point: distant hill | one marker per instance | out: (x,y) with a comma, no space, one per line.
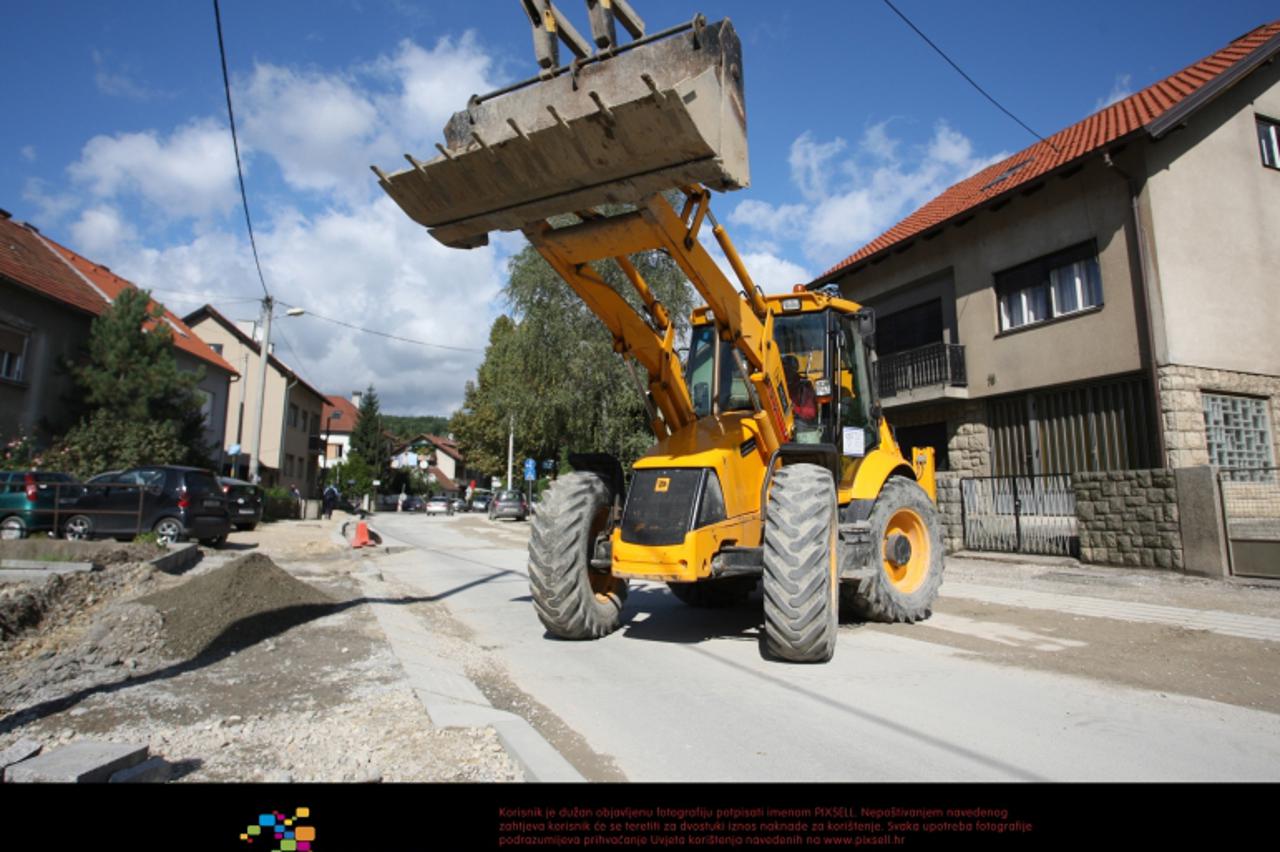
(407,427)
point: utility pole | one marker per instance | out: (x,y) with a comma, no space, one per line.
(511,445)
(256,433)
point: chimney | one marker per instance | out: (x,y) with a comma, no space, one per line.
(356,396)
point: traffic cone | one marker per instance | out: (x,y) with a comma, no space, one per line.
(362,536)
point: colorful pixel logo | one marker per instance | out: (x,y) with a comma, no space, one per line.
(285,830)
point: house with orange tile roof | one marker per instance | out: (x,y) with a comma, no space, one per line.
(1104,300)
(49,296)
(339,418)
(291,437)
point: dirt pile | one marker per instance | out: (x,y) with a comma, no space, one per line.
(243,602)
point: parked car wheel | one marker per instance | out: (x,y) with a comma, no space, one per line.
(13,527)
(78,528)
(168,530)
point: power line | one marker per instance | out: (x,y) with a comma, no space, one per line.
(311,313)
(235,143)
(960,71)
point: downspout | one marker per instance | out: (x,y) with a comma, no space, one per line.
(1144,290)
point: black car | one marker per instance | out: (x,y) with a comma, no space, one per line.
(174,502)
(509,504)
(414,503)
(244,501)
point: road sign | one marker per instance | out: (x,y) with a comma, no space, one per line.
(530,470)
(547,464)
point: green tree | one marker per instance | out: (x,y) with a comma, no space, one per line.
(551,365)
(367,439)
(139,407)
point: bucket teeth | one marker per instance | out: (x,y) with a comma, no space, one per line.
(648,118)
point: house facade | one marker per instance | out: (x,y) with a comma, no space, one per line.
(49,296)
(338,421)
(1104,300)
(291,419)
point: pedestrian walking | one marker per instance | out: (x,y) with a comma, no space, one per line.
(330,500)
(297,499)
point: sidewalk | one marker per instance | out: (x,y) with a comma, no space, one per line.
(1233,608)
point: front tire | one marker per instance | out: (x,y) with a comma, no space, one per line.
(801,579)
(899,589)
(572,600)
(78,528)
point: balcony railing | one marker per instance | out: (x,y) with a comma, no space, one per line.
(935,365)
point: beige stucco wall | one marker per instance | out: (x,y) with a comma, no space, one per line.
(1092,204)
(1212,209)
(278,438)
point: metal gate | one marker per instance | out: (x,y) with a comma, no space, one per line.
(1020,514)
(1251,510)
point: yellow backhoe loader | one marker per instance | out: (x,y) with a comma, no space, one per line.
(773,463)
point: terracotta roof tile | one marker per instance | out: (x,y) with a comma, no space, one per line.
(350,414)
(25,259)
(1080,139)
(113,285)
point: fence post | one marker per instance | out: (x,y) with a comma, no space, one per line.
(1017,518)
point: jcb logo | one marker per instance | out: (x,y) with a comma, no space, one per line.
(663,483)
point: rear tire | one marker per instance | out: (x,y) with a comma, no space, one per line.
(714,594)
(903,592)
(572,600)
(12,528)
(168,530)
(801,579)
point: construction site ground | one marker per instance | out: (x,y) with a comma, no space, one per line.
(262,663)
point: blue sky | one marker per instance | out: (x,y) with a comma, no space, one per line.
(116,143)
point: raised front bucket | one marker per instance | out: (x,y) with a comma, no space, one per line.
(659,113)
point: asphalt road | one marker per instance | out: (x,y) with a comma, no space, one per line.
(986,690)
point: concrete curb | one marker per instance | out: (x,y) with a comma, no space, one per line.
(179,558)
(452,699)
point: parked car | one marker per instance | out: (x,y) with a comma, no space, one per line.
(459,505)
(414,503)
(480,501)
(28,500)
(244,502)
(509,504)
(174,502)
(440,504)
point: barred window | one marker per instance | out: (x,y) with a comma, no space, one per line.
(1237,431)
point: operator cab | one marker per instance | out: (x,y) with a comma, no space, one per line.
(824,348)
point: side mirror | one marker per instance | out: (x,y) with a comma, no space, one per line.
(866,323)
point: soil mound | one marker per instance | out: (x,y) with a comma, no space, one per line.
(243,602)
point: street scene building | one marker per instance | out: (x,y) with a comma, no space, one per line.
(291,418)
(1101,301)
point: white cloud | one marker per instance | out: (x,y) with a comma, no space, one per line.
(102,230)
(324,130)
(50,205)
(117,82)
(857,193)
(192,172)
(1120,89)
(774,274)
(28,153)
(369,266)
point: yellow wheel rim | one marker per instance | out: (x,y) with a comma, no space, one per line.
(606,587)
(908,576)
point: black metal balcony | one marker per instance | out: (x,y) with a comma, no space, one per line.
(938,365)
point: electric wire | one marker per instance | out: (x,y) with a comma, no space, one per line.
(235,143)
(961,72)
(311,313)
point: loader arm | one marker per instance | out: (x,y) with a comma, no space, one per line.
(656,226)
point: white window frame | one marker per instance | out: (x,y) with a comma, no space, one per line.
(1269,141)
(1088,287)
(13,366)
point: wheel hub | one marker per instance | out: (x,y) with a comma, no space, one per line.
(897,550)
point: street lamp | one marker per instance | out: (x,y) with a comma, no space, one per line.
(328,430)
